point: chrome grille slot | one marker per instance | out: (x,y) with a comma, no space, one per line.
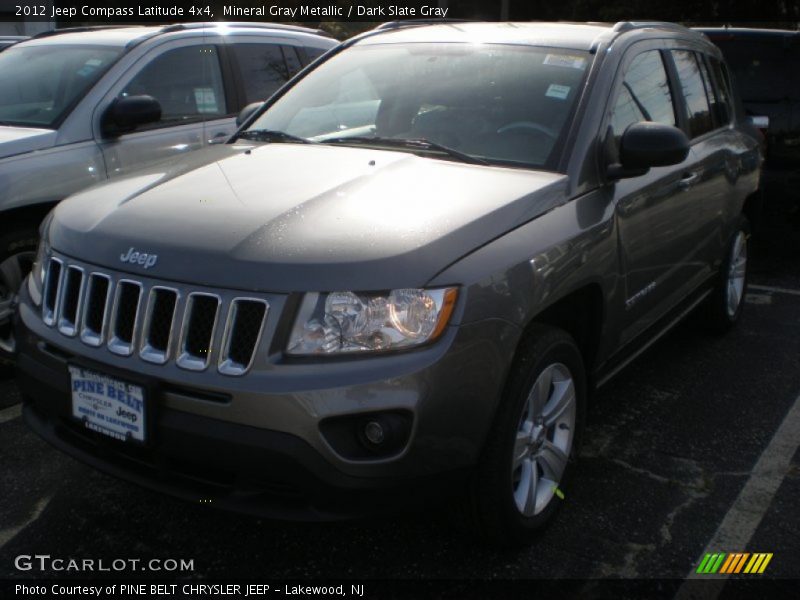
(243,330)
(125,317)
(70,300)
(52,287)
(158,323)
(97,295)
(197,332)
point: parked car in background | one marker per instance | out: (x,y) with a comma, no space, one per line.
(402,277)
(7,41)
(766,66)
(84,105)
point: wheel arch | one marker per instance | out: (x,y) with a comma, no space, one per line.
(581,314)
(28,214)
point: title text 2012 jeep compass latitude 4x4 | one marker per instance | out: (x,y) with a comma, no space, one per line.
(404,275)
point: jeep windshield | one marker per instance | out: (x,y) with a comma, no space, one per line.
(498,104)
(41,84)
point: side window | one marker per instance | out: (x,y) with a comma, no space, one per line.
(187,82)
(694,91)
(718,117)
(264,68)
(644,95)
(314,53)
(292,60)
(723,105)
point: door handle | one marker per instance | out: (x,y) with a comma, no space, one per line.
(688,180)
(219,138)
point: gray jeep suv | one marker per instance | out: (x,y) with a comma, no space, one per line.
(83,105)
(402,277)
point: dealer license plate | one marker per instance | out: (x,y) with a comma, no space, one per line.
(107,405)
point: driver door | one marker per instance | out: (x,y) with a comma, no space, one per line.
(653,211)
(186,79)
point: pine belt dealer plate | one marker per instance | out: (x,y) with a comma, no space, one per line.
(107,405)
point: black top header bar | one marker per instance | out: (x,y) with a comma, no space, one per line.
(64,13)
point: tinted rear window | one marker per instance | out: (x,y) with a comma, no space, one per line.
(694,92)
(313,53)
(764,69)
(264,68)
(722,97)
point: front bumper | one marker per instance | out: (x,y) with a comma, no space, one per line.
(223,465)
(209,445)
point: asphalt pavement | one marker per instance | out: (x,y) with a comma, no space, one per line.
(674,449)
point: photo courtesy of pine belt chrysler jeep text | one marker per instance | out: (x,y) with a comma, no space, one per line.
(402,278)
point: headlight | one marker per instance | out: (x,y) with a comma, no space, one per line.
(341,322)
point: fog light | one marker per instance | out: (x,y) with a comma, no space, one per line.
(368,436)
(374,433)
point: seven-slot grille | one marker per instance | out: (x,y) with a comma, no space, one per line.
(158,322)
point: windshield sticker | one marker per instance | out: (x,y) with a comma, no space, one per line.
(206,100)
(558,91)
(570,61)
(89,67)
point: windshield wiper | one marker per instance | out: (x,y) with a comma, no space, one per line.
(271,135)
(411,144)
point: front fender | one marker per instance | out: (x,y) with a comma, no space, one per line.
(49,175)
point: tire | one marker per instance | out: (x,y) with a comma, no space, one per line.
(500,506)
(723,308)
(17,253)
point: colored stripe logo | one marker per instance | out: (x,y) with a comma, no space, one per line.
(734,562)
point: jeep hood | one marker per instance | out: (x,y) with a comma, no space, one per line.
(292,217)
(19,140)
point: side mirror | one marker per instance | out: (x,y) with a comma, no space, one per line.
(129,112)
(247,112)
(645,145)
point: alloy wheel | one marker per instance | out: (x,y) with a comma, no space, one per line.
(737,270)
(543,439)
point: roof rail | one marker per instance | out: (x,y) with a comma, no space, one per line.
(624,26)
(418,22)
(51,32)
(243,25)
(184,26)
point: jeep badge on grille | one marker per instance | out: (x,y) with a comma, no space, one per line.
(139,258)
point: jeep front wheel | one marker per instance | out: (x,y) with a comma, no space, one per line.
(531,449)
